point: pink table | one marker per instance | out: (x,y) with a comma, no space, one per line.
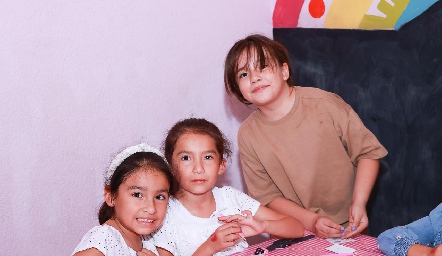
(364,245)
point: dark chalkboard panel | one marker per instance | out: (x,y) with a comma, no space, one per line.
(393,80)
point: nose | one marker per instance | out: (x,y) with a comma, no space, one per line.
(255,75)
(149,206)
(198,167)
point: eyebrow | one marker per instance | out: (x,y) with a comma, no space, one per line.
(183,152)
(136,187)
(242,68)
(145,188)
(189,152)
(211,151)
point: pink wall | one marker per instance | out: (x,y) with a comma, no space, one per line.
(83,79)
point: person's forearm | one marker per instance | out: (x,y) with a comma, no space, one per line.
(288,227)
(283,205)
(366,174)
(203,250)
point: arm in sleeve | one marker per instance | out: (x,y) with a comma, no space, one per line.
(258,181)
(244,201)
(357,139)
(398,240)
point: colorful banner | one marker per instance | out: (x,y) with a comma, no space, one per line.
(347,14)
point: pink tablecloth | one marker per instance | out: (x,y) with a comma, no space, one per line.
(364,245)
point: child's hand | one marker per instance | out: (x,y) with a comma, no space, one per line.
(248,224)
(357,222)
(224,236)
(326,228)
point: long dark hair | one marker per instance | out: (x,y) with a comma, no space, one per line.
(131,164)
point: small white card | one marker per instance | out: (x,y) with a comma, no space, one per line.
(337,248)
(337,240)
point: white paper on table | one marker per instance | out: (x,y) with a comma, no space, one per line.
(337,248)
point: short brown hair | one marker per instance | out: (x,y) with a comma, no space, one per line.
(264,48)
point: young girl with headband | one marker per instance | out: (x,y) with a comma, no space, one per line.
(136,194)
(203,219)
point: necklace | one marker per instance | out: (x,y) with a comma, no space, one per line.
(126,236)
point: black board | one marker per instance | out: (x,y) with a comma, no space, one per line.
(393,80)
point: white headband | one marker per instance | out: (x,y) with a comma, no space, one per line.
(143,147)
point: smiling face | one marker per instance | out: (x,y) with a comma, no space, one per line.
(263,87)
(141,202)
(196,163)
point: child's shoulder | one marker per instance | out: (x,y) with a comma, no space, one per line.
(228,189)
(308,95)
(103,231)
(326,97)
(230,192)
(313,92)
(101,237)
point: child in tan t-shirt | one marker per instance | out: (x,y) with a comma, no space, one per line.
(304,151)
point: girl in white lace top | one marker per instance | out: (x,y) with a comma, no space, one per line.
(203,219)
(136,194)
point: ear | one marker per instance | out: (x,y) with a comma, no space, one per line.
(222,167)
(285,71)
(108,197)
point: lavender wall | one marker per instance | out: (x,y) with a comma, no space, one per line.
(82,79)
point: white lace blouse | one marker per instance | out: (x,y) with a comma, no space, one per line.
(109,241)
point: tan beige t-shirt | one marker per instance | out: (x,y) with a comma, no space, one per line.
(309,156)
